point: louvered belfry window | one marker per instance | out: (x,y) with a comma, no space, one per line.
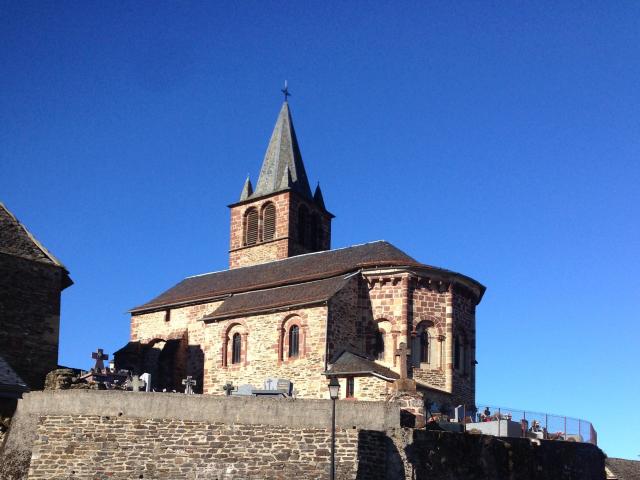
(294,341)
(251,227)
(268,222)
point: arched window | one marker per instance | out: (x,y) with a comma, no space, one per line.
(268,222)
(303,225)
(424,346)
(294,341)
(379,345)
(236,348)
(251,227)
(421,351)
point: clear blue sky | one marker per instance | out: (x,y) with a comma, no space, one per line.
(497,139)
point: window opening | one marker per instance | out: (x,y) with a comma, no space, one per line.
(268,222)
(236,351)
(294,337)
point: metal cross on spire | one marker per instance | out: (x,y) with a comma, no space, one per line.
(285,91)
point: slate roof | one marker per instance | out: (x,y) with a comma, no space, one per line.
(264,300)
(10,381)
(350,363)
(16,240)
(621,469)
(282,167)
(289,271)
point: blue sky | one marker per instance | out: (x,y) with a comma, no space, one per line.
(497,139)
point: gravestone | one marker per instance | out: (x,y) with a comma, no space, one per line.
(271,384)
(188,383)
(244,390)
(284,385)
(146,378)
(135,383)
(228,388)
(458,413)
(99,356)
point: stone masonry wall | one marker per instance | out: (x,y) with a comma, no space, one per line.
(241,255)
(29,317)
(88,446)
(464,326)
(124,435)
(285,243)
(111,434)
(181,324)
(429,306)
(265,353)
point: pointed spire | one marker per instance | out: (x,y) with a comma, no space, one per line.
(283,154)
(318,198)
(247,189)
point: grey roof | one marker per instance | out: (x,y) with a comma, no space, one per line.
(9,379)
(318,198)
(282,167)
(247,190)
(348,363)
(16,240)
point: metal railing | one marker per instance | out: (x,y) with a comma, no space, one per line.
(544,426)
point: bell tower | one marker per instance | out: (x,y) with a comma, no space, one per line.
(280,218)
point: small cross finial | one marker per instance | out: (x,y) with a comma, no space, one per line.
(285,91)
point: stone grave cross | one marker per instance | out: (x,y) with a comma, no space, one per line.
(99,357)
(188,383)
(403,352)
(136,383)
(228,388)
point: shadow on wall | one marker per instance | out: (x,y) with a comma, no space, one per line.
(168,362)
(370,466)
(435,455)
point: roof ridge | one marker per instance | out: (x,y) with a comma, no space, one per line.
(289,258)
(33,239)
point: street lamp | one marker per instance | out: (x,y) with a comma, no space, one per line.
(334,391)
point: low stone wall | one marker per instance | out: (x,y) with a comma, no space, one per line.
(112,434)
(87,446)
(118,435)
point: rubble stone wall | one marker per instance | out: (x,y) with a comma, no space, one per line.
(101,434)
(30,317)
(125,448)
(265,353)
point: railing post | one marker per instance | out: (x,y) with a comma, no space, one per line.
(499,420)
(546,422)
(565,428)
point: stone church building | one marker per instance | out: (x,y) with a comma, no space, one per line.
(290,307)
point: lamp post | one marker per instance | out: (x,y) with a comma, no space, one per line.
(334,391)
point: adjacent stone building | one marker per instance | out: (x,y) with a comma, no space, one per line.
(290,307)
(31,282)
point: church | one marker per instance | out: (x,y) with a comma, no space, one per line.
(290,307)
